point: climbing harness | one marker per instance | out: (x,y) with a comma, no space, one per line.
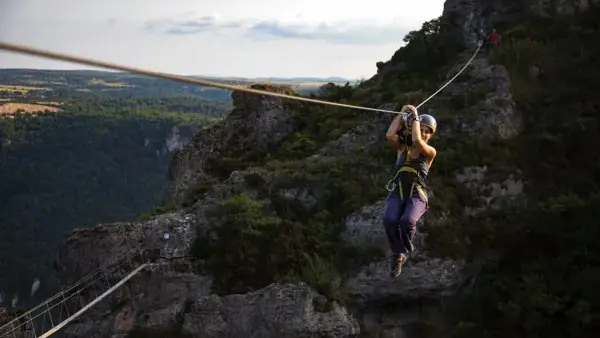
(95,63)
(417,183)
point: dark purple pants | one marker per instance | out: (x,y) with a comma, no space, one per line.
(400,220)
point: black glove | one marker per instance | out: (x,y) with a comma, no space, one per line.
(404,136)
(401,135)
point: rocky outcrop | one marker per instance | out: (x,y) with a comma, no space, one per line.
(160,304)
(564,7)
(274,311)
(471,16)
(490,194)
(174,141)
(366,137)
(154,301)
(495,114)
(89,249)
(235,136)
(417,298)
(170,298)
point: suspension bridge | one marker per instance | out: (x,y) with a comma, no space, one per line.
(66,306)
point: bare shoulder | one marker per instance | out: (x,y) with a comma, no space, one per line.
(433,151)
(432,155)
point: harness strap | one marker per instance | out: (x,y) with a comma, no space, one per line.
(413,185)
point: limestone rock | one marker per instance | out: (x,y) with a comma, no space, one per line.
(275,311)
(256,124)
(88,249)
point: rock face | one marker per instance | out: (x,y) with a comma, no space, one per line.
(470,16)
(169,297)
(492,195)
(154,302)
(395,308)
(565,7)
(495,115)
(274,311)
(88,249)
(256,124)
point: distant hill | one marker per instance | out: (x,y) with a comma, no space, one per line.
(285,79)
(61,85)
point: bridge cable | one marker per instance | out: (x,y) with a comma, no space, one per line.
(92,303)
(116,261)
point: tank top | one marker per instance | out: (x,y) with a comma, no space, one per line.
(417,175)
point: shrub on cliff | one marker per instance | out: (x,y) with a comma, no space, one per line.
(255,247)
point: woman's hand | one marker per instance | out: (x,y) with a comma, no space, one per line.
(415,113)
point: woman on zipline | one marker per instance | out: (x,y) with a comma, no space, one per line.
(407,201)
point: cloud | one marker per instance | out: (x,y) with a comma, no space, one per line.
(188,24)
(353,32)
(350,33)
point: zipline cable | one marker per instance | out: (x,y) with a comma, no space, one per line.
(16,48)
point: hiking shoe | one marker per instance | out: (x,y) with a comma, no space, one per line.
(394,265)
(398,262)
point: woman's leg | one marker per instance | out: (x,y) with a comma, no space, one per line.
(415,208)
(391,221)
(394,206)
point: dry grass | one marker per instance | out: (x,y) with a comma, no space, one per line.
(41,83)
(50,103)
(11,108)
(14,88)
(101,82)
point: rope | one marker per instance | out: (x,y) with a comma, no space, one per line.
(452,79)
(102,64)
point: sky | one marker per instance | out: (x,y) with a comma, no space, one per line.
(252,38)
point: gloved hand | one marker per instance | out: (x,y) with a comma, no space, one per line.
(404,136)
(409,115)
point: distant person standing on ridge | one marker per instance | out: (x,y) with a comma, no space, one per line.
(494,38)
(407,201)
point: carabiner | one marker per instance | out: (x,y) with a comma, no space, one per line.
(387,186)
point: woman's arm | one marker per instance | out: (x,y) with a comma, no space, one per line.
(392,135)
(417,141)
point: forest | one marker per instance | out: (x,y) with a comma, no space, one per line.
(96,160)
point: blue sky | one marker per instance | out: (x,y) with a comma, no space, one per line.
(249,38)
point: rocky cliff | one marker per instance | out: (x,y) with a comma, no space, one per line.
(256,125)
(280,231)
